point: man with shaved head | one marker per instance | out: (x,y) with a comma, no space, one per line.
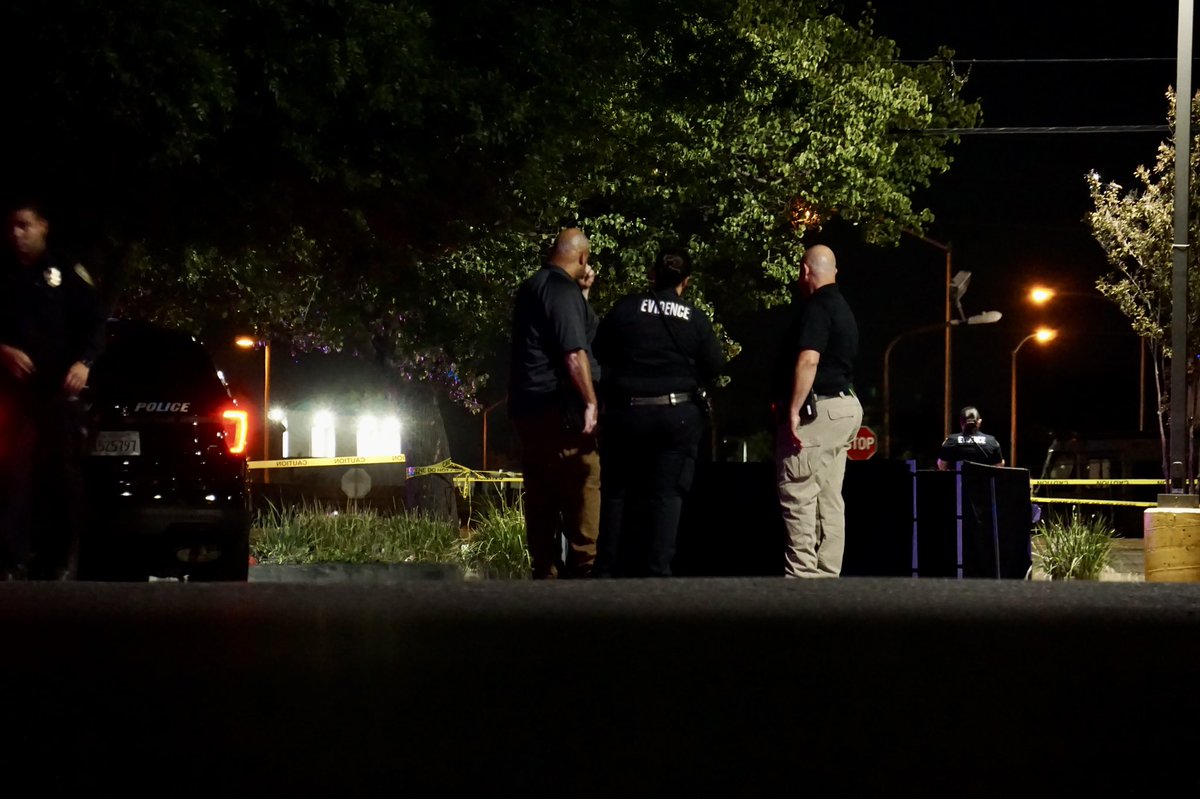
(817,416)
(552,403)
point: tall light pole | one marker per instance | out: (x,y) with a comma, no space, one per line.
(945,248)
(985,318)
(245,342)
(1042,335)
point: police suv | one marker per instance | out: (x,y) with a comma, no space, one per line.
(165,473)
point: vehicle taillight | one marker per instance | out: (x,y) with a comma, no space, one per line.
(235,422)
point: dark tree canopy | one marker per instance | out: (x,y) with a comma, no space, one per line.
(378,176)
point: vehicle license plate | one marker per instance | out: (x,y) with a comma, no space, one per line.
(117,442)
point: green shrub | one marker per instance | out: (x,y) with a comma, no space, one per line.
(315,534)
(310,533)
(496,546)
(1073,548)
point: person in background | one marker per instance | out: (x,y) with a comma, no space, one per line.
(553,406)
(971,444)
(51,330)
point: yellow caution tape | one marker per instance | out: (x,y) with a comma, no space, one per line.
(301,463)
(1137,482)
(1071,501)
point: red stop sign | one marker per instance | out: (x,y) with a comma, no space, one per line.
(864,445)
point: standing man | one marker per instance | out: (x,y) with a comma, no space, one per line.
(552,403)
(657,352)
(817,416)
(971,445)
(51,329)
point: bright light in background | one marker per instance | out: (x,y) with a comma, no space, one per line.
(1041,295)
(391,436)
(245,342)
(1045,334)
(378,437)
(280,416)
(324,444)
(368,435)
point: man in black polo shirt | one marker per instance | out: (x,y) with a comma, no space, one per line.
(817,416)
(552,403)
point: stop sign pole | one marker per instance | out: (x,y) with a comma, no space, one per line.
(864,444)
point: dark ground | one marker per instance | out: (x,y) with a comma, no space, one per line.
(710,686)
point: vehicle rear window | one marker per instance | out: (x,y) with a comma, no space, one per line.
(158,362)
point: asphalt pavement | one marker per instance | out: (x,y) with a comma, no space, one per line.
(711,686)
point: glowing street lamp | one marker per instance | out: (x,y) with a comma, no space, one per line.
(985,318)
(1042,335)
(247,343)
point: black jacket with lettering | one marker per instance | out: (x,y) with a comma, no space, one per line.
(656,343)
(51,311)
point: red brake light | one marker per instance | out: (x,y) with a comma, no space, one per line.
(235,422)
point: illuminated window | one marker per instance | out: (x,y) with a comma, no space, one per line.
(324,439)
(378,437)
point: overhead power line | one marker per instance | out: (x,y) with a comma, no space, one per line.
(1038,129)
(1037,60)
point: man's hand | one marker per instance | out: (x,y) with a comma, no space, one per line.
(585,282)
(794,423)
(16,362)
(76,379)
(591,413)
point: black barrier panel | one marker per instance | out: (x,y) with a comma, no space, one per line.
(973,524)
(879,518)
(997,521)
(937,524)
(731,525)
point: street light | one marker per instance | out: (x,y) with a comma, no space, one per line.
(985,318)
(1042,335)
(246,343)
(1041,295)
(945,248)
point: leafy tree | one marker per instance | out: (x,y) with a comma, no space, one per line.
(377,177)
(1135,228)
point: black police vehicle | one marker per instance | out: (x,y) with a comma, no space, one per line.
(165,472)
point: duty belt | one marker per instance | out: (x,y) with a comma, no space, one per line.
(847,393)
(677,398)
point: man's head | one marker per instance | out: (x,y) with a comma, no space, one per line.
(672,268)
(27,231)
(570,252)
(818,269)
(970,420)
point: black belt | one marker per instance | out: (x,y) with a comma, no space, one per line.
(677,398)
(847,393)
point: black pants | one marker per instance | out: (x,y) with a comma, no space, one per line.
(648,460)
(41,488)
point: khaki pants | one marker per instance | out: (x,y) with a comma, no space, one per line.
(809,482)
(561,473)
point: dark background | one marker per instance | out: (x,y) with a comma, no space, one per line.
(1012,207)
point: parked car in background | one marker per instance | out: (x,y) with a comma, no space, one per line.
(165,475)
